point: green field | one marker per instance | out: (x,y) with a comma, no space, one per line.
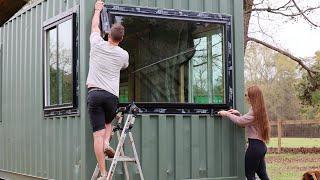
(295,142)
(291,166)
(288,166)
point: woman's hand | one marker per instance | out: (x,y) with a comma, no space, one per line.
(223,113)
(235,112)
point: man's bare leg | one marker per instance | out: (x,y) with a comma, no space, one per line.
(107,149)
(107,134)
(98,137)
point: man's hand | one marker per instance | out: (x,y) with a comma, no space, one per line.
(99,5)
(96,17)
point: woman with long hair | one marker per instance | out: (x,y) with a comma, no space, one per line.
(257,127)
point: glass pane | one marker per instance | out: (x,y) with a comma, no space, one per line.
(65,62)
(52,86)
(169,60)
(218,68)
(199,69)
(124,94)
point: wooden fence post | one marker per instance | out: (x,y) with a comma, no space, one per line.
(279,124)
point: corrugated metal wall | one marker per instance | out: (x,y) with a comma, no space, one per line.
(170,147)
(30,144)
(184,147)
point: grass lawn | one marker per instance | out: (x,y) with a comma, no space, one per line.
(295,142)
(291,166)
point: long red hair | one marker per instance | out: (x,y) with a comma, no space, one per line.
(261,119)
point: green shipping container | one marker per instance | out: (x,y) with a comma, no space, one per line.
(45,132)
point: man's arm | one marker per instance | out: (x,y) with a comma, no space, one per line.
(126,61)
(96,17)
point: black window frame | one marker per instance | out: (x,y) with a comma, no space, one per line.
(184,108)
(70,108)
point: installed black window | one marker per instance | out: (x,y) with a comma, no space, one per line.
(173,60)
(60,63)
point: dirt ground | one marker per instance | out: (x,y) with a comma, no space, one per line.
(303,150)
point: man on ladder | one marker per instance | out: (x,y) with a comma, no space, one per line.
(106,61)
(119,156)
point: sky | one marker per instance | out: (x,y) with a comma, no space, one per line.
(301,41)
(298,37)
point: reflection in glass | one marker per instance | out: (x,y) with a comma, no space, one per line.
(172,60)
(52,81)
(124,94)
(199,69)
(65,62)
(218,68)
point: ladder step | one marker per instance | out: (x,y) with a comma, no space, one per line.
(123,158)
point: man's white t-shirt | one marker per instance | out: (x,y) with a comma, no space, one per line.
(105,63)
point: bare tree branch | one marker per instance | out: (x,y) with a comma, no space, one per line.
(298,60)
(278,11)
(261,29)
(247,5)
(268,8)
(294,14)
(303,14)
(281,10)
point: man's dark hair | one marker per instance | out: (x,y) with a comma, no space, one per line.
(117,32)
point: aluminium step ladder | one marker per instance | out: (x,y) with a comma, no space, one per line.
(132,110)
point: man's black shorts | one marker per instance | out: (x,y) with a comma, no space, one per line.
(102,107)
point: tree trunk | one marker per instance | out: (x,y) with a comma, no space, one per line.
(247,7)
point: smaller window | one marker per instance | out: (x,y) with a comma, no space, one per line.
(60,64)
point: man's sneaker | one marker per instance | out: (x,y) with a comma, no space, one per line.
(108,151)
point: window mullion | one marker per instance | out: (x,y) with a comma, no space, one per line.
(209,68)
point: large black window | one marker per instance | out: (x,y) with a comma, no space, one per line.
(60,54)
(176,57)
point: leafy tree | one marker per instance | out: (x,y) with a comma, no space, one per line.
(276,75)
(288,11)
(309,91)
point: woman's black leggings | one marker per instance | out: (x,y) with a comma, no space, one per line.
(254,160)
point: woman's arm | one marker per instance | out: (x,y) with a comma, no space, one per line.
(239,120)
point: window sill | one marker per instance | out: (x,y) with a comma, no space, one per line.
(62,111)
(179,108)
